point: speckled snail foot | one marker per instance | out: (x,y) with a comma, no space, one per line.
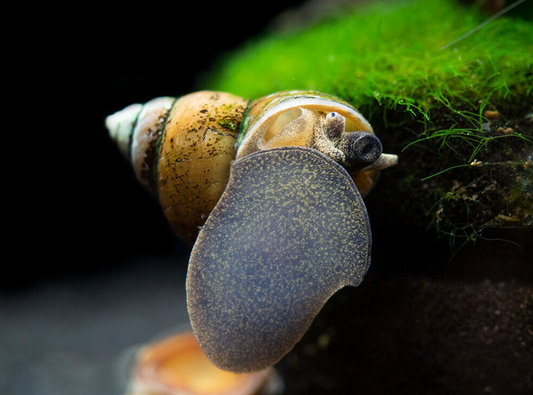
(275,185)
(290,230)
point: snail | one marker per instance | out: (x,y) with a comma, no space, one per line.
(175,365)
(269,194)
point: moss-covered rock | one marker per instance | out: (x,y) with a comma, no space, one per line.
(451,95)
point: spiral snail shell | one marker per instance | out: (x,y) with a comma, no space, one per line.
(269,193)
(198,136)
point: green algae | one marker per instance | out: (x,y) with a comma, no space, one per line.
(387,53)
(427,95)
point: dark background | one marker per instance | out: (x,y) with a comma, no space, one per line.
(91,266)
(83,209)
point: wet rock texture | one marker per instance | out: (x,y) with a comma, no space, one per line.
(416,335)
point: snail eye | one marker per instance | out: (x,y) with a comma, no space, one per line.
(288,232)
(335,125)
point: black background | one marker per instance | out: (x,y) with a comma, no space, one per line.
(79,208)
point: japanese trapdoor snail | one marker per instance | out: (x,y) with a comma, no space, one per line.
(268,192)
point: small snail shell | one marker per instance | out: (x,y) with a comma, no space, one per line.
(276,186)
(182,149)
(175,365)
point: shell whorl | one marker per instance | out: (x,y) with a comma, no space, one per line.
(196,150)
(145,136)
(182,149)
(136,130)
(120,126)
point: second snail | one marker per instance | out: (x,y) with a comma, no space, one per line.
(269,193)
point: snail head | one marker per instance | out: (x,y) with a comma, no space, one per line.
(354,150)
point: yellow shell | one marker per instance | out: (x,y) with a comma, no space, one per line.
(182,149)
(195,154)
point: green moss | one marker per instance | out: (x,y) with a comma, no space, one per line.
(386,53)
(427,100)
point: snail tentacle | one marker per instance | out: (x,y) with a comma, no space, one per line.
(334,126)
(384,161)
(328,136)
